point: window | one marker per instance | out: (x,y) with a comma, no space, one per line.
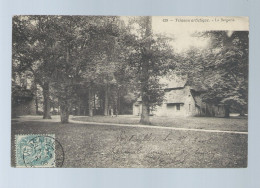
(189,107)
(178,106)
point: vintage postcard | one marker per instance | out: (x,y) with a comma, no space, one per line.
(129,92)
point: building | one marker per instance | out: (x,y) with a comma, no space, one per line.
(182,100)
(23,102)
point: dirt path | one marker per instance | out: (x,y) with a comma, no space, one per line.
(57,119)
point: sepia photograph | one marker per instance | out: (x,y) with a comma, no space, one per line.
(129,91)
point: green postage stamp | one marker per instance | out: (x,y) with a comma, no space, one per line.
(34,150)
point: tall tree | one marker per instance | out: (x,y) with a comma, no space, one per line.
(221,70)
(89,45)
(108,56)
(34,51)
(144,78)
(151,56)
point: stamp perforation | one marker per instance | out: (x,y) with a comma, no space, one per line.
(26,136)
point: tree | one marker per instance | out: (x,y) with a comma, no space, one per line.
(91,60)
(64,53)
(232,65)
(70,42)
(151,56)
(108,71)
(34,51)
(221,70)
(43,45)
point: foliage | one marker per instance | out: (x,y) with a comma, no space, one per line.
(221,70)
(118,62)
(150,56)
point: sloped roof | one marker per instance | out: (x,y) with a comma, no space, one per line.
(176,93)
(170,82)
(176,96)
(199,87)
(18,91)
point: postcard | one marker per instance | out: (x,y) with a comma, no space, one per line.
(129,91)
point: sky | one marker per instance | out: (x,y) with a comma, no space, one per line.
(181,29)
(182,34)
(184,40)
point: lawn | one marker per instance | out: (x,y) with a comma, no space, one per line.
(113,146)
(209,123)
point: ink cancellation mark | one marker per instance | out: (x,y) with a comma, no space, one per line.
(38,151)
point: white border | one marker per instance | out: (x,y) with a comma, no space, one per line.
(213,178)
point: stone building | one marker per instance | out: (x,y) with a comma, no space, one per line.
(23,102)
(182,100)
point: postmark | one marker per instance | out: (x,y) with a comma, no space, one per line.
(40,151)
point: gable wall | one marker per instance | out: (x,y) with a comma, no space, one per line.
(25,107)
(187,107)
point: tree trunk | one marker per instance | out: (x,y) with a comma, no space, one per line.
(145,75)
(94,104)
(46,101)
(145,119)
(90,102)
(118,108)
(36,99)
(242,112)
(64,102)
(79,106)
(36,105)
(106,113)
(116,101)
(64,113)
(227,114)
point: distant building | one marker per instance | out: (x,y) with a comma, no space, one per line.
(23,102)
(182,100)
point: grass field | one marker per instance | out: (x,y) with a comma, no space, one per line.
(113,146)
(211,123)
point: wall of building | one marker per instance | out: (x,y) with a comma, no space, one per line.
(187,104)
(137,108)
(24,107)
(187,107)
(221,111)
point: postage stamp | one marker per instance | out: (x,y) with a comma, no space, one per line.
(34,150)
